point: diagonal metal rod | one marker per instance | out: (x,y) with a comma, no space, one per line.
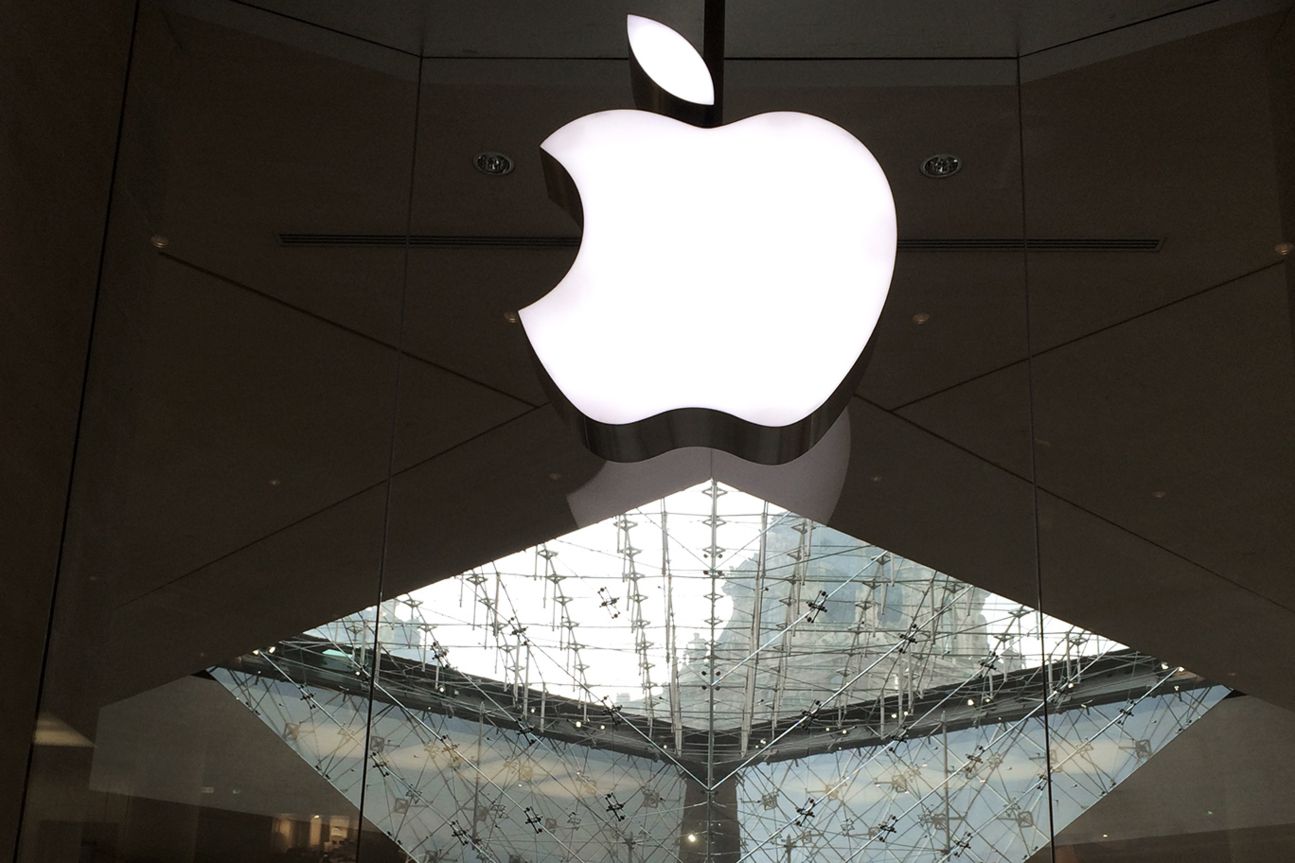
(757,611)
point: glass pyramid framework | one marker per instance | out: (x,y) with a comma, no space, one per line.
(711,678)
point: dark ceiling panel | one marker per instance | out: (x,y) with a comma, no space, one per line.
(757,28)
(458,306)
(1203,782)
(1098,574)
(1184,152)
(232,137)
(516,28)
(948,318)
(468,106)
(217,417)
(989,415)
(62,79)
(1178,426)
(925,28)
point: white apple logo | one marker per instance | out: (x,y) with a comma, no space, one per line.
(728,279)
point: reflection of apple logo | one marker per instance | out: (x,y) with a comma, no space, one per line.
(728,279)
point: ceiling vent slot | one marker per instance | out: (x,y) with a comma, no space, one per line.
(426,241)
(968,244)
(1033,244)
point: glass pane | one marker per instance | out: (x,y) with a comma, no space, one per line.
(470,770)
(708,675)
(230,474)
(1164,392)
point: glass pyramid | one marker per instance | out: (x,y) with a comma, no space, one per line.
(710,677)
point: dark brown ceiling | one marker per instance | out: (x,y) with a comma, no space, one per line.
(249,401)
(820,29)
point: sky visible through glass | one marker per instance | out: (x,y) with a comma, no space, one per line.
(600,614)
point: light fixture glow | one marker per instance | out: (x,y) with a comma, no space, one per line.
(709,257)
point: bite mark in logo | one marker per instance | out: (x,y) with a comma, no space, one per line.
(729,278)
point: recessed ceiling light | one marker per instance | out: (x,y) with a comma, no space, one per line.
(1158,495)
(941,165)
(160,242)
(1284,249)
(492,163)
(921,318)
(510,317)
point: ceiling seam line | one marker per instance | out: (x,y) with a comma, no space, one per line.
(324,27)
(242,548)
(1043,352)
(1169,551)
(742,58)
(393,438)
(329,506)
(1030,436)
(533,58)
(46,637)
(1180,556)
(1160,308)
(1101,33)
(1013,474)
(399,351)
(494,428)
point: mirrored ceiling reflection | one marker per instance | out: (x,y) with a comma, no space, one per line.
(710,674)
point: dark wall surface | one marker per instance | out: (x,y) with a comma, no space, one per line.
(214,440)
(61,85)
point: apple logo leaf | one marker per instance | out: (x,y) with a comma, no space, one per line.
(667,75)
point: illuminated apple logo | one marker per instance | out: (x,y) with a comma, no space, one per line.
(728,279)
